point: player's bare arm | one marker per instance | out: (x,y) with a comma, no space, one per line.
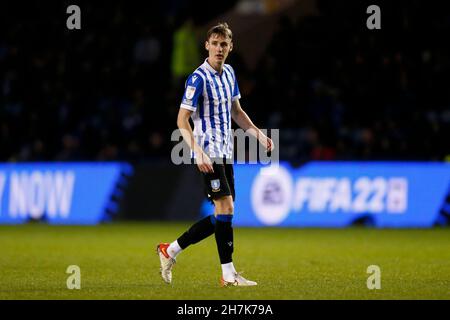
(243,121)
(203,162)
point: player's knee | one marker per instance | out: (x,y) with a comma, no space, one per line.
(225,206)
(228,208)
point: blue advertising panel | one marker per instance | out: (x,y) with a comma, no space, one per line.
(339,194)
(58,193)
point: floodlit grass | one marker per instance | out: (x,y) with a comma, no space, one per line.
(118,261)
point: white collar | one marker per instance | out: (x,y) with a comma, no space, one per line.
(209,68)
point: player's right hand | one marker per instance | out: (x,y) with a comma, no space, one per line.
(204,164)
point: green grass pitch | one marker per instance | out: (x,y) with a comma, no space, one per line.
(118,261)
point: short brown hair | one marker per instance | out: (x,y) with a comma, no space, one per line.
(221,29)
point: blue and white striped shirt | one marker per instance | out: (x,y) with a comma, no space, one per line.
(210,95)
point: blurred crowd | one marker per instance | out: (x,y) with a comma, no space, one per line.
(341,91)
(334,88)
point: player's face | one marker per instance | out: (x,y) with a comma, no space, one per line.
(218,47)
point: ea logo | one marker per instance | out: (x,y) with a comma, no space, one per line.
(272,195)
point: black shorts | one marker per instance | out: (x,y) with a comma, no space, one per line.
(219,183)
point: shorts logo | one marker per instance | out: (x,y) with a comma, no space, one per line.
(215,185)
(190,91)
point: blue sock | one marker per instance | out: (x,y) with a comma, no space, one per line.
(197,232)
(224,217)
(224,237)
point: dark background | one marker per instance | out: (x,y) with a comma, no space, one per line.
(335,89)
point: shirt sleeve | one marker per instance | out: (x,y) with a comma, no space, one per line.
(192,92)
(236,93)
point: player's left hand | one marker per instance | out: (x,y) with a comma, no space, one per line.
(267,143)
(270,146)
